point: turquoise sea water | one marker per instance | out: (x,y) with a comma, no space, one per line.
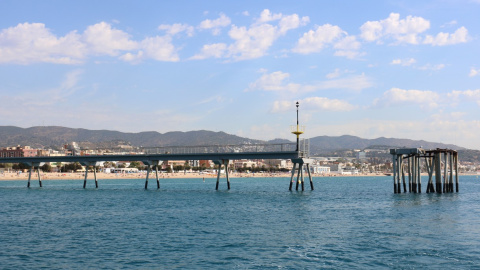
(351,222)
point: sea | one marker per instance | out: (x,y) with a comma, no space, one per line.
(345,223)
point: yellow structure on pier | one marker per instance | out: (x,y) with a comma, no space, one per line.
(297,130)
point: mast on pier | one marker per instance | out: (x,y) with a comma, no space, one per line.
(297,130)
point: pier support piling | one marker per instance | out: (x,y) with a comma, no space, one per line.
(149,164)
(438,172)
(225,163)
(444,168)
(87,164)
(293,174)
(456,171)
(29,175)
(39,178)
(31,166)
(310,176)
(300,175)
(149,168)
(86,175)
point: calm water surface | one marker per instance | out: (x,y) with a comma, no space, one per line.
(351,222)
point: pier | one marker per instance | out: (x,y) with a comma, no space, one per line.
(407,162)
(221,155)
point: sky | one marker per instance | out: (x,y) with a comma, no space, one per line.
(397,69)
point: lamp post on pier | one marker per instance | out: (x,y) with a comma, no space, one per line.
(297,131)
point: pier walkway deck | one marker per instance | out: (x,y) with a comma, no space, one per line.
(219,154)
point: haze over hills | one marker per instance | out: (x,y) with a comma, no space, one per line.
(55,136)
(353,142)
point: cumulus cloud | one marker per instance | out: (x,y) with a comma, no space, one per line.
(348,47)
(408,31)
(102,39)
(474,72)
(278,81)
(216,50)
(397,96)
(442,39)
(316,40)
(327,35)
(314,104)
(159,48)
(33,43)
(253,42)
(402,30)
(176,28)
(215,25)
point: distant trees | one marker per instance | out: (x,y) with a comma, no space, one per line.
(46,167)
(19,166)
(71,167)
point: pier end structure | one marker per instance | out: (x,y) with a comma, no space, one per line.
(408,162)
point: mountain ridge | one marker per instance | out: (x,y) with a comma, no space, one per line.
(56,136)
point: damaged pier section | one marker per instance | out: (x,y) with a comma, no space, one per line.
(407,163)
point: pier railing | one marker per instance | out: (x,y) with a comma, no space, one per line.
(181,150)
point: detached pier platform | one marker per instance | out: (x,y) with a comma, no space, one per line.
(406,162)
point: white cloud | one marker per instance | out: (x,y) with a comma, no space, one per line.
(402,30)
(443,39)
(326,35)
(314,104)
(133,58)
(254,41)
(396,96)
(102,39)
(404,62)
(215,25)
(173,29)
(408,31)
(474,72)
(316,40)
(159,48)
(211,50)
(276,81)
(348,47)
(467,95)
(32,43)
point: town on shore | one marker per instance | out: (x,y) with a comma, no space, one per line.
(361,165)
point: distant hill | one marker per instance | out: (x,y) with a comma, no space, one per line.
(54,137)
(328,143)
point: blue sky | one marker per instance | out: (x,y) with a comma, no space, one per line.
(402,69)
